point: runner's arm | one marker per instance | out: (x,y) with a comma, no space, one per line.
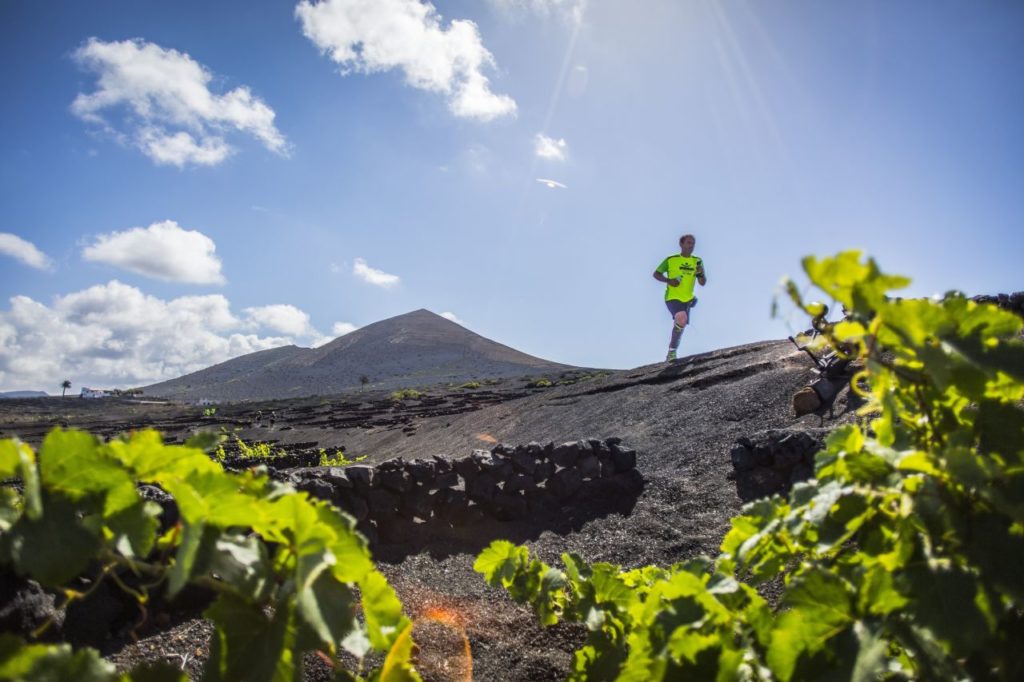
(662,277)
(659,274)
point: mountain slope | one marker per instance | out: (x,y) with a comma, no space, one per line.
(416,348)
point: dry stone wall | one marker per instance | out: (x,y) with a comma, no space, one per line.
(507,483)
(772,461)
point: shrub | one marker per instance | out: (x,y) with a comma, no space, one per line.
(539,383)
(338,459)
(290,573)
(406,394)
(468,385)
(901,559)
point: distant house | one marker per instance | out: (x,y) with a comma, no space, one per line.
(206,402)
(95,393)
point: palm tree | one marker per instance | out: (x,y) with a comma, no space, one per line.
(65,385)
(363,380)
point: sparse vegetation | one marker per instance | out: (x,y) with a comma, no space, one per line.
(542,382)
(338,459)
(406,394)
(209,411)
(900,560)
(467,386)
(257,450)
(289,573)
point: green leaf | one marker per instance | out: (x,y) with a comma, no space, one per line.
(819,610)
(499,561)
(327,607)
(53,549)
(398,662)
(241,563)
(193,537)
(21,662)
(247,644)
(878,593)
(944,599)
(383,611)
(17,458)
(134,528)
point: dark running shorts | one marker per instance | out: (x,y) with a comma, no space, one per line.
(675,306)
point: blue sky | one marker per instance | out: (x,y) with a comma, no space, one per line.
(184,182)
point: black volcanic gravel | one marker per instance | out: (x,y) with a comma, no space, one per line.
(682,418)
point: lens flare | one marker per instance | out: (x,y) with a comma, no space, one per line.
(447,655)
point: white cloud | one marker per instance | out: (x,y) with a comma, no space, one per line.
(342,328)
(14,246)
(380,35)
(163,251)
(373,275)
(170,114)
(549,148)
(281,317)
(115,335)
(451,316)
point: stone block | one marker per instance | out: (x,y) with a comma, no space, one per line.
(742,458)
(763,455)
(421,470)
(543,471)
(446,480)
(353,504)
(523,462)
(482,488)
(623,459)
(467,467)
(566,454)
(396,480)
(383,503)
(565,483)
(507,507)
(362,476)
(520,483)
(589,467)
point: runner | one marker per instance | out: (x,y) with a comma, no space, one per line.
(679,272)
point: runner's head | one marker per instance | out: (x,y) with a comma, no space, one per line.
(686,244)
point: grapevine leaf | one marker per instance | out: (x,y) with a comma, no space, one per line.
(71,462)
(249,645)
(327,609)
(53,549)
(498,562)
(193,537)
(24,662)
(383,611)
(134,528)
(398,662)
(17,458)
(240,562)
(944,600)
(819,610)
(878,593)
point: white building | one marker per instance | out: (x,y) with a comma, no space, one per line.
(95,393)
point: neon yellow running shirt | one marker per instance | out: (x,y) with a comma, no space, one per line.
(683,268)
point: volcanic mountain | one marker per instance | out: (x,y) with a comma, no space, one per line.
(414,349)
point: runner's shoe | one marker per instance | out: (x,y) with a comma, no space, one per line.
(671,355)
